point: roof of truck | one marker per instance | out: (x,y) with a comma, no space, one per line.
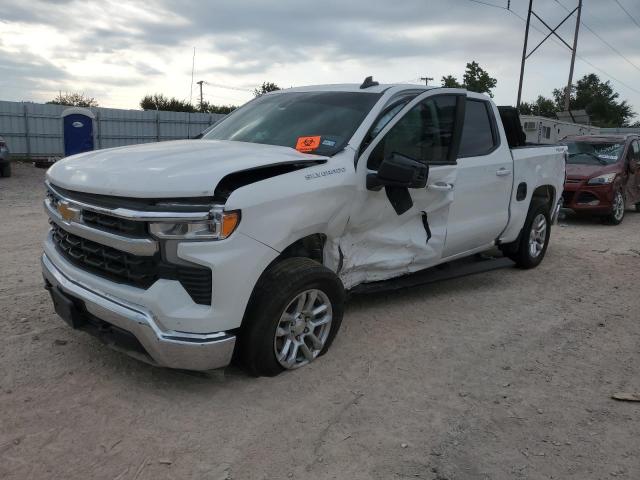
(355,87)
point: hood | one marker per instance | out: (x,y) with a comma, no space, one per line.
(183,168)
(579,171)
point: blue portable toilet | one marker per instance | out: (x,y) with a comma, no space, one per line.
(78,131)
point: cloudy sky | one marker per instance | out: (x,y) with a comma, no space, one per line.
(119,51)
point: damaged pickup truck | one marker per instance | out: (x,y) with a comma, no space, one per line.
(243,243)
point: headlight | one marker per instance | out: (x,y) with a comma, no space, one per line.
(220,226)
(605,179)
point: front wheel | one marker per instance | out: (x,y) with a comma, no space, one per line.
(531,248)
(617,210)
(294,314)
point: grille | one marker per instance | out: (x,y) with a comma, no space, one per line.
(567,197)
(114,224)
(574,180)
(138,271)
(586,197)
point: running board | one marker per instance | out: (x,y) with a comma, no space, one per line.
(458,268)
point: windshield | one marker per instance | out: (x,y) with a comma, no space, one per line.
(594,153)
(316,122)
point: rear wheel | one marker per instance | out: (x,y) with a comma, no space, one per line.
(617,210)
(529,250)
(294,314)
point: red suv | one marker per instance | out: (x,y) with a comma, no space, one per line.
(603,175)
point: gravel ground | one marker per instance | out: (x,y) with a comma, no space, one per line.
(501,375)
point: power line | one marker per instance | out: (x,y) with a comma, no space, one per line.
(583,59)
(603,40)
(608,74)
(580,57)
(489,4)
(229,87)
(628,14)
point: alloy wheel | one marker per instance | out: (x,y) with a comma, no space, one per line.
(537,235)
(303,329)
(618,206)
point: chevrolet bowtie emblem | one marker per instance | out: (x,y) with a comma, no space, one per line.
(68,213)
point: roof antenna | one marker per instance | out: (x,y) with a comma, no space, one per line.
(368,82)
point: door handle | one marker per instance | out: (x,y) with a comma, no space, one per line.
(441,186)
(503,172)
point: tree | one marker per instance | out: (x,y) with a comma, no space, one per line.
(475,79)
(451,82)
(158,101)
(543,107)
(74,99)
(598,99)
(209,108)
(266,87)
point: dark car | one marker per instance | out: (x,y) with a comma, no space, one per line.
(5,160)
(603,175)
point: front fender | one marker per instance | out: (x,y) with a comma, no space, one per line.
(280,210)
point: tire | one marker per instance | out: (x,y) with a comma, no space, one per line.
(5,170)
(617,211)
(280,311)
(537,229)
(638,207)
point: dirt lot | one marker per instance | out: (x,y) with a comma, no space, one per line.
(501,375)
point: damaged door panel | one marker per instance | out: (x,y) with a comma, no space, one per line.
(405,231)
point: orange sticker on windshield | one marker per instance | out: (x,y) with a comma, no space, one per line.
(307,144)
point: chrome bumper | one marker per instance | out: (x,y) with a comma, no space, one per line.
(188,351)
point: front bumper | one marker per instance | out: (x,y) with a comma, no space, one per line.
(167,348)
(581,197)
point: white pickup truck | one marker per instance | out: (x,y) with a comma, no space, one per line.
(242,244)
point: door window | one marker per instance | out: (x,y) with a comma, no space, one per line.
(424,134)
(479,136)
(636,151)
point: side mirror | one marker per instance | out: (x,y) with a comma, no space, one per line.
(399,171)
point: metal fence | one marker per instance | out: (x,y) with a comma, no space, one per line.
(35,130)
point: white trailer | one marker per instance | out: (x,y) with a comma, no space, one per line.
(545,130)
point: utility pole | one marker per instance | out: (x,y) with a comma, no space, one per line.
(524,52)
(567,98)
(552,31)
(426,80)
(200,83)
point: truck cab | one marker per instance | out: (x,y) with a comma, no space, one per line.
(243,243)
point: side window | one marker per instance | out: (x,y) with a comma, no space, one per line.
(478,134)
(425,133)
(382,121)
(636,150)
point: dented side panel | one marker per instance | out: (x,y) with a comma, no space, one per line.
(308,201)
(379,244)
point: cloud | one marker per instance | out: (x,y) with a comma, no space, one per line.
(128,48)
(27,72)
